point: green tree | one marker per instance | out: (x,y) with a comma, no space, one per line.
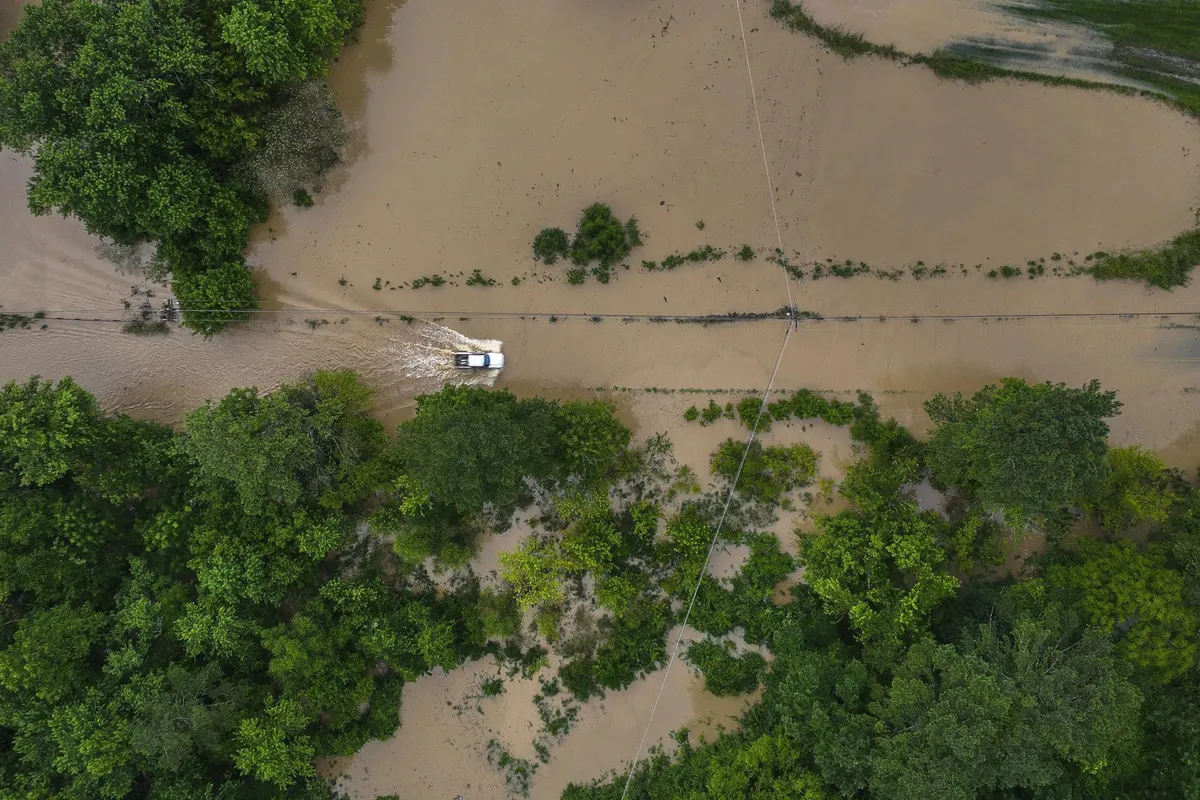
(1021,448)
(272,747)
(50,652)
(1135,490)
(766,472)
(47,429)
(468,446)
(1137,599)
(302,440)
(140,118)
(214,298)
(883,571)
(535,572)
(592,438)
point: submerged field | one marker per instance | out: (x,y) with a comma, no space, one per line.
(472,127)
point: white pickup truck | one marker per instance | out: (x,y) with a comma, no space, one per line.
(479,361)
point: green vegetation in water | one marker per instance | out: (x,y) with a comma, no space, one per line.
(298,648)
(210,112)
(423,281)
(697,256)
(1166,266)
(302,199)
(476,278)
(725,673)
(898,640)
(550,245)
(143,327)
(1153,42)
(10,322)
(518,772)
(599,236)
(894,645)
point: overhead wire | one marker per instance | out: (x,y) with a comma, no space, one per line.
(792,322)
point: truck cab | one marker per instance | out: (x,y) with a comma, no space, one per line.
(479,361)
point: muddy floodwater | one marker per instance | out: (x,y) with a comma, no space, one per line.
(475,123)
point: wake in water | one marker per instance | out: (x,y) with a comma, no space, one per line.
(424,358)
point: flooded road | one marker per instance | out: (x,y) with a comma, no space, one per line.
(475,124)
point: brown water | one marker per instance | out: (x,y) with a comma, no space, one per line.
(477,123)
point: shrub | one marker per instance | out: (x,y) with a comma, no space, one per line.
(710,414)
(550,245)
(477,279)
(535,573)
(747,603)
(838,413)
(577,275)
(498,613)
(616,592)
(691,414)
(1166,266)
(746,253)
(601,237)
(637,646)
(644,515)
(578,678)
(302,198)
(590,543)
(633,233)
(724,673)
(750,410)
(689,536)
(768,472)
(780,410)
(807,404)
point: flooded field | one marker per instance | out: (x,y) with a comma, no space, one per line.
(475,125)
(1002,32)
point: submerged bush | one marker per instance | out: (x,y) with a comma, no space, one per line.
(768,472)
(602,237)
(1166,266)
(551,244)
(724,673)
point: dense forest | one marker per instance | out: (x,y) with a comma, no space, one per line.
(176,123)
(202,613)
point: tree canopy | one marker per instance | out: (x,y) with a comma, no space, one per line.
(142,118)
(191,611)
(1021,448)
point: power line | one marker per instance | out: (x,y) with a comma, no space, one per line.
(707,558)
(734,316)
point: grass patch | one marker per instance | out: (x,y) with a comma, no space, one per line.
(1166,266)
(846,44)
